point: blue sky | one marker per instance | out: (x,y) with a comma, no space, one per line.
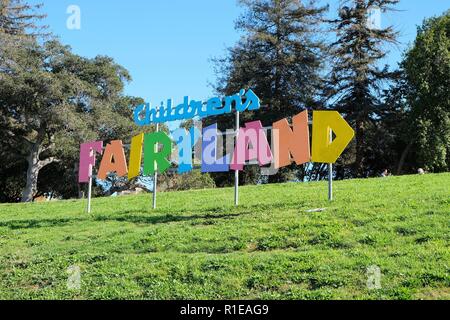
(167,44)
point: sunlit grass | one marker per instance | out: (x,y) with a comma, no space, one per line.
(197,245)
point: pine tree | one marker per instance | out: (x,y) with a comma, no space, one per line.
(280,57)
(356,80)
(18,18)
(19,24)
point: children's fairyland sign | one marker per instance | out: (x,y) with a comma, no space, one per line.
(152,151)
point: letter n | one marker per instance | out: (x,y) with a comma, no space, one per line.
(293,142)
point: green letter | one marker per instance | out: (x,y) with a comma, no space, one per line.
(154,160)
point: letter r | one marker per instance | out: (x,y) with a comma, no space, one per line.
(153,158)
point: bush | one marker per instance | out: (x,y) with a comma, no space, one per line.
(188,181)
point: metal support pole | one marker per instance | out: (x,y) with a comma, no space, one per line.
(236,173)
(89,193)
(155,177)
(330,174)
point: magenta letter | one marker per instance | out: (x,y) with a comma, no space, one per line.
(252,135)
(87,159)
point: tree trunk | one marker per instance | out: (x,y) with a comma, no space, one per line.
(32,174)
(403,157)
(359,163)
(35,165)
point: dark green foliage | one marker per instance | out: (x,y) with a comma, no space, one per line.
(19,19)
(280,57)
(52,100)
(356,80)
(427,71)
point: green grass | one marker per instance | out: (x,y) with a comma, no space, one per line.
(198,246)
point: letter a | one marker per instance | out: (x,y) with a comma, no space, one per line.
(210,163)
(185,141)
(251,144)
(113,160)
(324,122)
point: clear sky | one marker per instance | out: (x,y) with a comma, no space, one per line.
(167,45)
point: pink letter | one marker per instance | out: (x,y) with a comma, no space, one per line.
(252,135)
(87,159)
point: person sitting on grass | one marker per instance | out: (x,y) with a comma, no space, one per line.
(385,173)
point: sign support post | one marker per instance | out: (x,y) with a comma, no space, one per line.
(236,173)
(90,187)
(155,176)
(330,174)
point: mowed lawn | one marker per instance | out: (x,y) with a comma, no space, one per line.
(197,245)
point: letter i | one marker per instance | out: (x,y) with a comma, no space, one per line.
(135,156)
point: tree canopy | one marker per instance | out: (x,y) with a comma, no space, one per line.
(51,99)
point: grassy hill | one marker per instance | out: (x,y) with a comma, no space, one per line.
(198,246)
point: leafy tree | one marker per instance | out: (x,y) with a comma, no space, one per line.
(427,68)
(280,57)
(357,82)
(53,99)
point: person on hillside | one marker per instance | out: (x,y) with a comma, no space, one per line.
(385,173)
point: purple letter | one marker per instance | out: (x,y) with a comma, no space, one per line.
(210,163)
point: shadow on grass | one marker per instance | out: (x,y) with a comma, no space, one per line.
(147,219)
(37,223)
(212,213)
(138,216)
(217,211)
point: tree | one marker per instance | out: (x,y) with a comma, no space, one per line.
(280,57)
(18,18)
(18,23)
(52,100)
(426,67)
(356,81)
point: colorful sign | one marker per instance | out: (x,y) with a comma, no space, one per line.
(291,142)
(145,114)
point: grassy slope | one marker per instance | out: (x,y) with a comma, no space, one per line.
(197,245)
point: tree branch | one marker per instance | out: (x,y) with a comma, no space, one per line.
(16,137)
(46,162)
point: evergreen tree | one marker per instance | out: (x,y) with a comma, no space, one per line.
(280,57)
(18,18)
(357,81)
(19,22)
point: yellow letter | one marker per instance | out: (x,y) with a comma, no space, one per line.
(135,156)
(323,149)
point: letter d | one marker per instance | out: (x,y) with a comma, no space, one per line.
(323,149)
